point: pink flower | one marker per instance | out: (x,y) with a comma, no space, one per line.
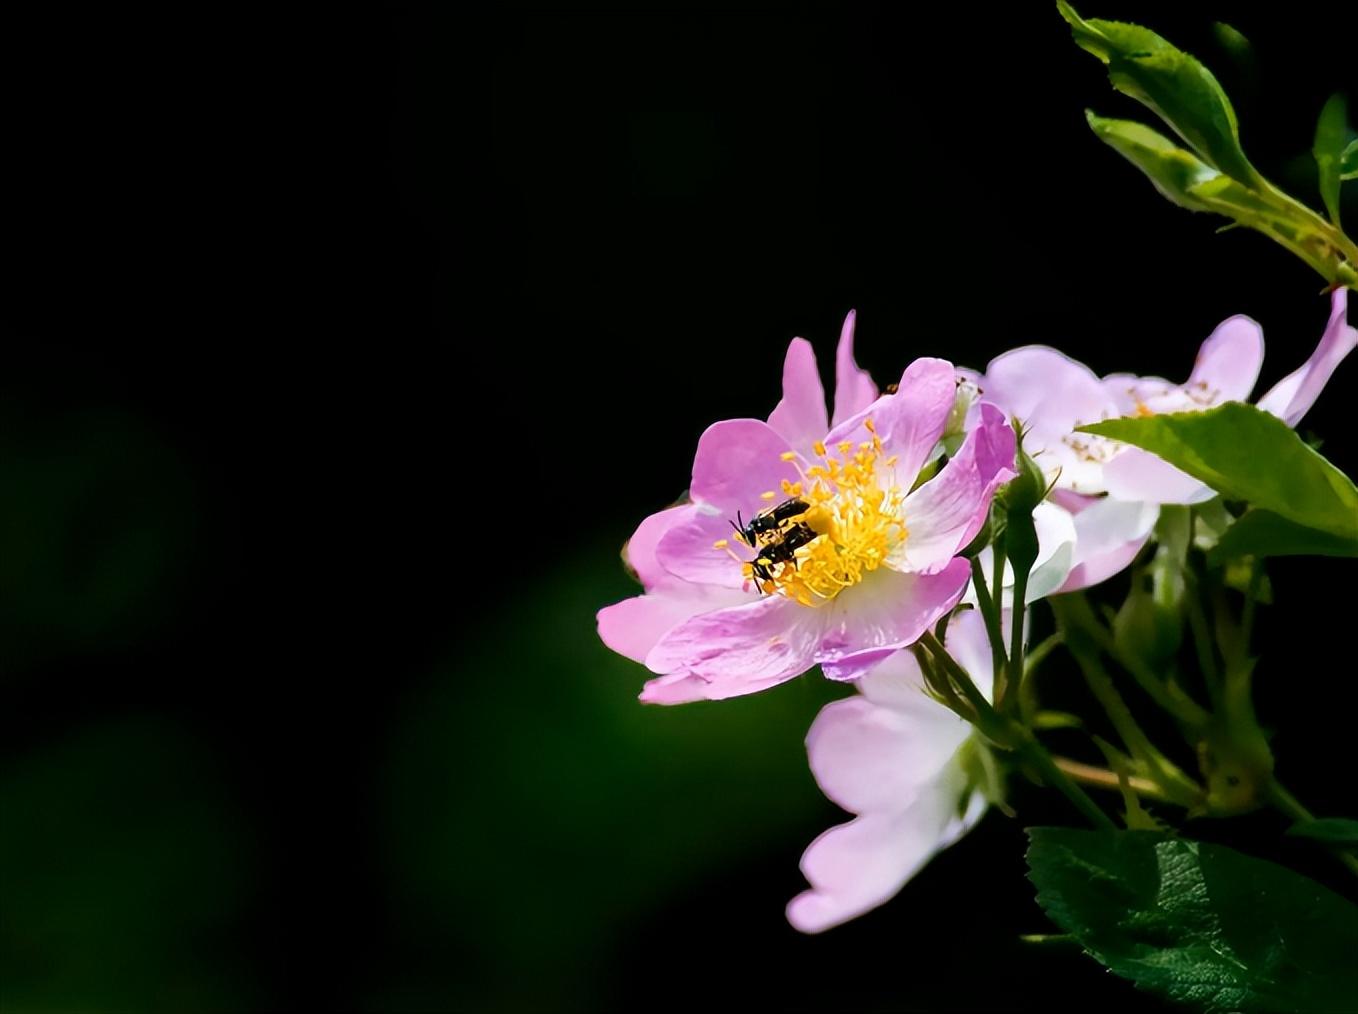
(1227,366)
(1052,394)
(894,757)
(878,562)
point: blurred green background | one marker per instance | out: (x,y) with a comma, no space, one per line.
(341,358)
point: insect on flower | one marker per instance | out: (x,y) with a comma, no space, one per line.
(781,550)
(768,524)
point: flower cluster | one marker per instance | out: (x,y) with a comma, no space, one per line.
(839,538)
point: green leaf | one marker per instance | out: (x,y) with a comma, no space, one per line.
(1198,923)
(1332,830)
(1348,162)
(1233,41)
(1175,86)
(1183,178)
(1246,454)
(1328,149)
(1262,533)
(1173,171)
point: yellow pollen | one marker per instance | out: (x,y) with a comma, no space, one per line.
(788,455)
(819,448)
(768,495)
(868,425)
(1143,410)
(720,544)
(856,514)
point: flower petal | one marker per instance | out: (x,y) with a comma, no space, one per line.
(736,461)
(1051,394)
(910,421)
(640,550)
(855,867)
(886,610)
(1292,397)
(1228,362)
(742,649)
(688,550)
(1108,535)
(800,417)
(896,682)
(633,626)
(944,514)
(1138,475)
(869,758)
(854,389)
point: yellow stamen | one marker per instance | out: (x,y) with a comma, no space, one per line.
(788,455)
(720,544)
(767,495)
(856,514)
(819,448)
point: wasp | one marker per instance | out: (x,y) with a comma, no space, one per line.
(782,550)
(768,524)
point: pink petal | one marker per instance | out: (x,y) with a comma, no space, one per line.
(944,514)
(1228,361)
(641,547)
(737,460)
(867,757)
(896,682)
(800,417)
(742,649)
(633,626)
(910,421)
(886,610)
(676,688)
(1292,397)
(1138,475)
(1051,394)
(1108,535)
(855,867)
(854,389)
(688,550)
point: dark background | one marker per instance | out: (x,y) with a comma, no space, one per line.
(341,357)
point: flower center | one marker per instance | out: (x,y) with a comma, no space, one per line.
(852,522)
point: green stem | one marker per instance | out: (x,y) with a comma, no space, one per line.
(1202,642)
(1076,612)
(1008,733)
(1015,666)
(1027,688)
(1030,750)
(994,629)
(1165,773)
(1102,778)
(1289,805)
